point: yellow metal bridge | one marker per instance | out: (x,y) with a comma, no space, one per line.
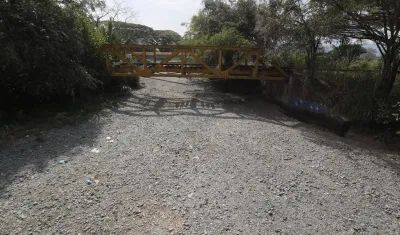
(189,62)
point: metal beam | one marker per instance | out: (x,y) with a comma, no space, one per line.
(164,68)
(180,47)
(201,62)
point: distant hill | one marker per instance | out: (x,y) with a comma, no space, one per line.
(142,34)
(372,46)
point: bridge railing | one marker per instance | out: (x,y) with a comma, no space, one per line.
(189,62)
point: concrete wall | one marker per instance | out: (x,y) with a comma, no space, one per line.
(290,96)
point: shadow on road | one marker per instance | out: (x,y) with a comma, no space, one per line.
(246,109)
(356,148)
(254,109)
(33,153)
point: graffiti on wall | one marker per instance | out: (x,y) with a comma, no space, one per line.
(312,107)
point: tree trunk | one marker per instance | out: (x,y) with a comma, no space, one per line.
(311,61)
(389,72)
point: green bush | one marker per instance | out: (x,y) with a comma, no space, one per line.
(352,94)
(366,65)
(227,37)
(47,53)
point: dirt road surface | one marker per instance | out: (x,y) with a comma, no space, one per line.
(179,158)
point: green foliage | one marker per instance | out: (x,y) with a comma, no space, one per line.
(222,23)
(227,37)
(47,52)
(166,37)
(122,32)
(110,32)
(295,60)
(218,15)
(348,52)
(215,15)
(133,33)
(85,5)
(297,33)
(351,94)
(365,65)
(377,21)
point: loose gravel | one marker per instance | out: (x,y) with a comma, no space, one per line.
(180,158)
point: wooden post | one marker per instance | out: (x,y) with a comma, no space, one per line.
(257,62)
(108,62)
(220,61)
(183,62)
(144,58)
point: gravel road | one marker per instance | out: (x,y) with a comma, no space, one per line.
(179,158)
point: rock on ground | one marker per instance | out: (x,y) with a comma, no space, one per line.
(179,158)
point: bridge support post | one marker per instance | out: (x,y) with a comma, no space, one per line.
(108,62)
(144,58)
(220,61)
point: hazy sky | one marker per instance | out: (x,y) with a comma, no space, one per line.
(162,14)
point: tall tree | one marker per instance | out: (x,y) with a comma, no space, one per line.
(378,21)
(219,14)
(211,19)
(47,51)
(348,51)
(246,12)
(166,37)
(296,24)
(224,23)
(88,5)
(134,33)
(117,11)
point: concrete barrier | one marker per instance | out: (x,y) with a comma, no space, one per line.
(289,96)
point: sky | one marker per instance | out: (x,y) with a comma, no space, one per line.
(162,14)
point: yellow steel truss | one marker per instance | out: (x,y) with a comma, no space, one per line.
(186,61)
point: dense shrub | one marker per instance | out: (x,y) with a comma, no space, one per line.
(46,53)
(227,37)
(352,93)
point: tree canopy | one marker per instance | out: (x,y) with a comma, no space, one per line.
(218,15)
(305,27)
(378,21)
(142,34)
(48,47)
